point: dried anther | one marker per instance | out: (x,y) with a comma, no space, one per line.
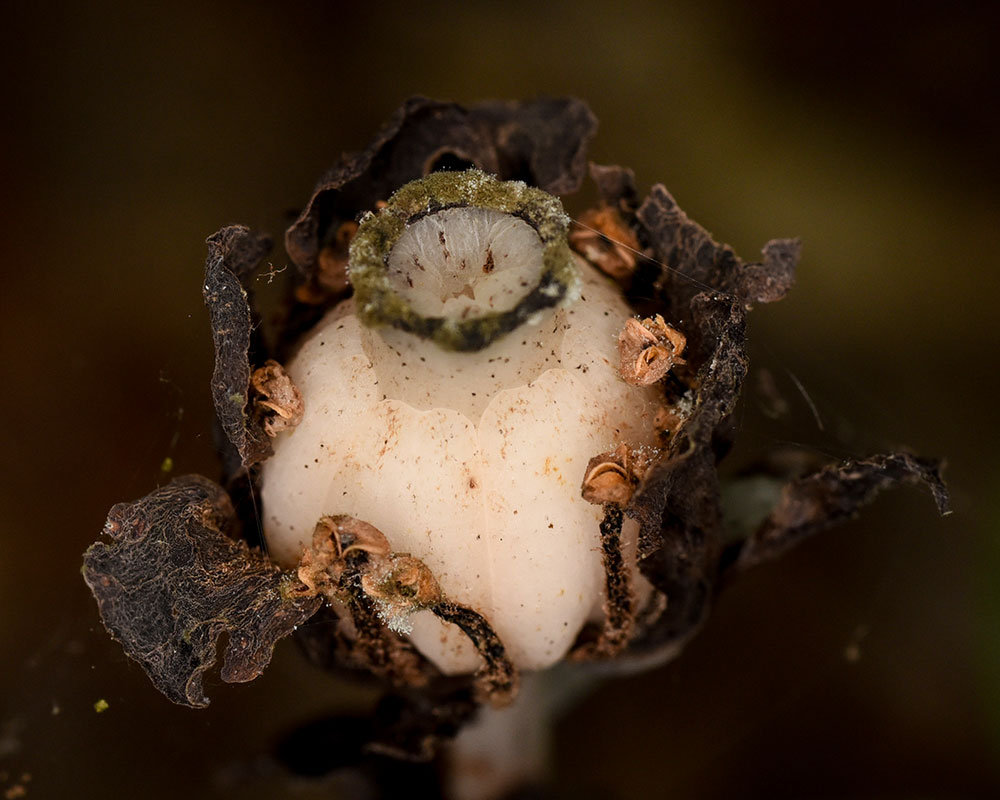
(350,563)
(611,478)
(649,349)
(602,237)
(400,585)
(670,418)
(333,259)
(355,534)
(278,401)
(334,538)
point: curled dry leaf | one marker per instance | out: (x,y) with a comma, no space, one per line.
(648,349)
(278,402)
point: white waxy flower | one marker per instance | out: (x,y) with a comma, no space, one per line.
(455,402)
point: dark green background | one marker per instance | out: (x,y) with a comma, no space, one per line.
(868,130)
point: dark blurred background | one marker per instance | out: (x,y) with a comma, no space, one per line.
(865,664)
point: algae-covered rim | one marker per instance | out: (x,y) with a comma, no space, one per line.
(379,304)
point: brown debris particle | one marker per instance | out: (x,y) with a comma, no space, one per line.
(278,403)
(602,237)
(648,350)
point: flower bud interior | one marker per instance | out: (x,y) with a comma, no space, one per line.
(462,262)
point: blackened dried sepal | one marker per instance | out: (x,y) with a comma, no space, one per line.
(541,142)
(497,678)
(233,253)
(172,582)
(677,505)
(688,261)
(836,493)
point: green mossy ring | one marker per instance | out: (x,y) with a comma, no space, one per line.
(379,304)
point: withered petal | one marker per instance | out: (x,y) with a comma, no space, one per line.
(834,494)
(688,260)
(233,253)
(171,583)
(542,142)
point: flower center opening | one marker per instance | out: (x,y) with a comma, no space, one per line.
(461,263)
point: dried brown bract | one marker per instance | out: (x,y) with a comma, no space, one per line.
(602,237)
(817,501)
(277,402)
(649,349)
